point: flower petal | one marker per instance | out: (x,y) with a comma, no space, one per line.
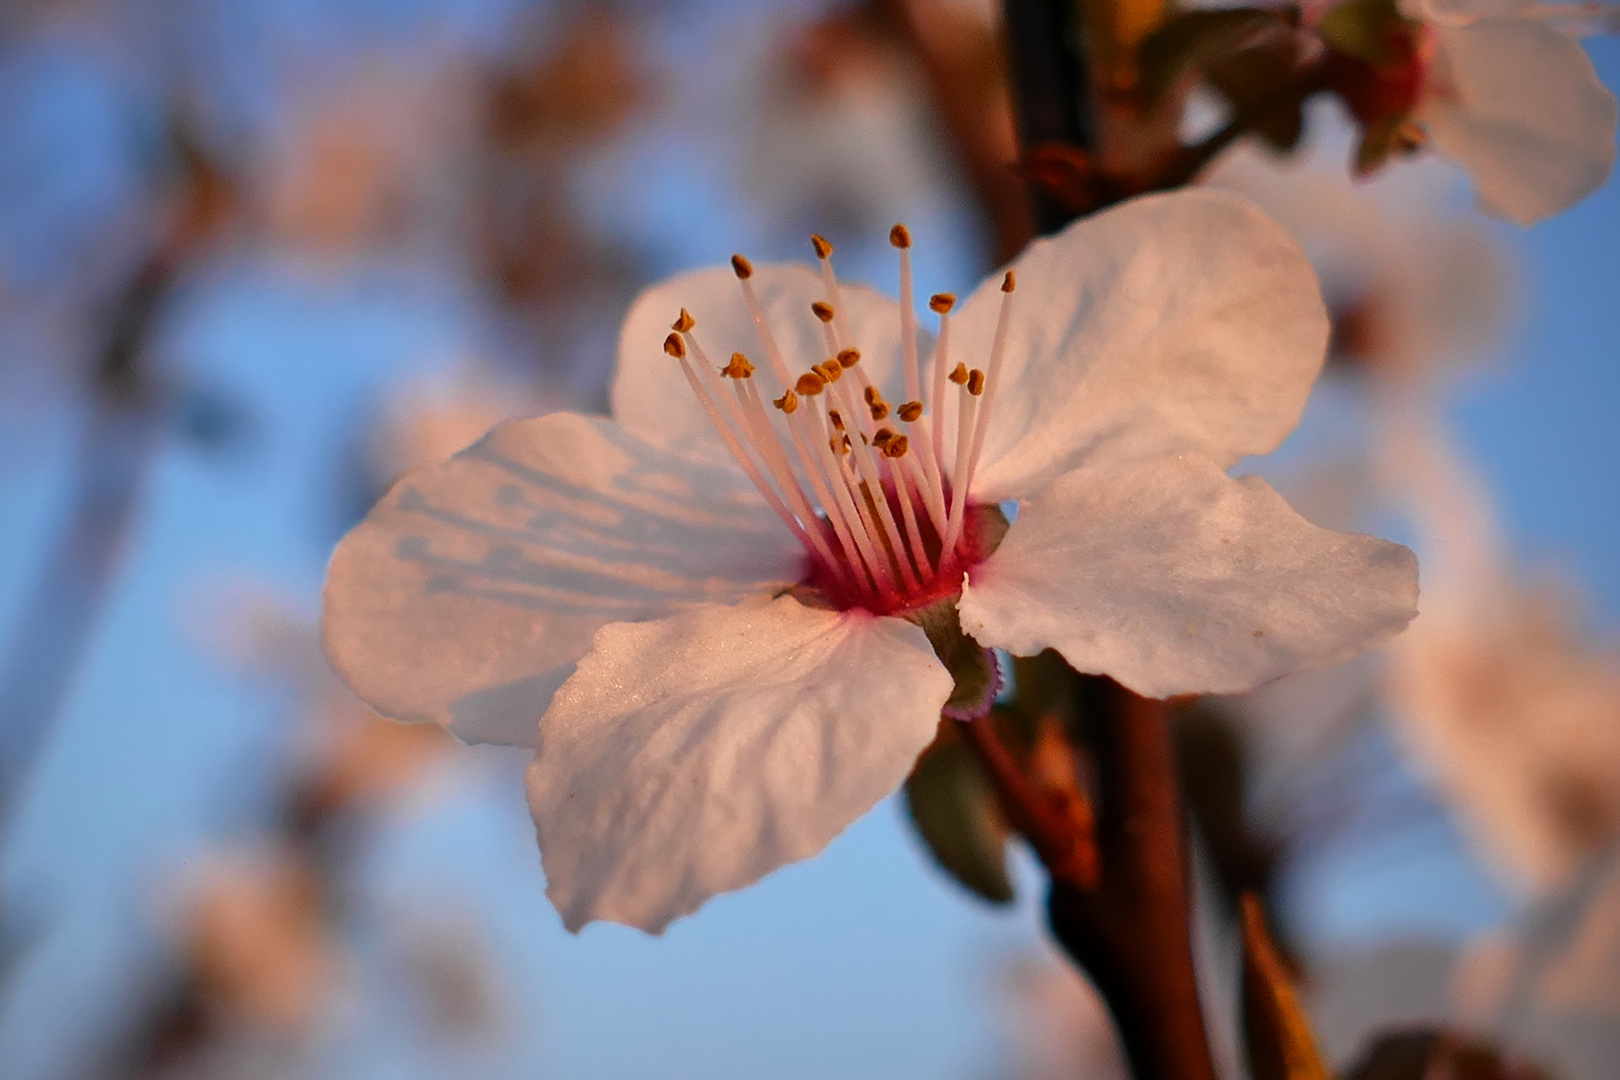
(470,590)
(1180,321)
(1174,578)
(649,396)
(693,755)
(1519,105)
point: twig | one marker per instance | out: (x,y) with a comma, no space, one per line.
(1059,835)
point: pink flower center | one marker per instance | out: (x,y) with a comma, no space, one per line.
(876,492)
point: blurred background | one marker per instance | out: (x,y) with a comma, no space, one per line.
(258,256)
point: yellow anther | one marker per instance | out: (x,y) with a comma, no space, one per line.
(822,311)
(788,402)
(975,382)
(959,374)
(810,384)
(882,437)
(739,368)
(910,411)
(684,323)
(742,267)
(897,447)
(828,369)
(836,418)
(880,410)
(675,347)
(941,302)
(849,358)
(823,249)
(1009,283)
(873,395)
(900,236)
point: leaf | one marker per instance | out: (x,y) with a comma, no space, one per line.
(1365,29)
(1191,39)
(953,805)
(1278,1033)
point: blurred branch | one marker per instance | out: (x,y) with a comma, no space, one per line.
(1052,95)
(60,615)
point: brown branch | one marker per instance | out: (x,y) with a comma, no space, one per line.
(1133,933)
(1056,827)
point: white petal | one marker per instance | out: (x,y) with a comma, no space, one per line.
(470,590)
(1174,578)
(1462,12)
(651,398)
(1181,321)
(694,755)
(1519,105)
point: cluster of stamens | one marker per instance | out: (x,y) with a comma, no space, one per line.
(884,520)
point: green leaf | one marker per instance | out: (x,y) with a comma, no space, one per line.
(1193,38)
(1361,28)
(1281,1046)
(953,805)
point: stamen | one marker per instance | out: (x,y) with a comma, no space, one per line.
(674,346)
(900,237)
(987,387)
(910,411)
(756,430)
(848,358)
(941,304)
(684,323)
(893,450)
(739,368)
(788,402)
(822,311)
(745,271)
(824,250)
(835,297)
(810,384)
(742,458)
(959,374)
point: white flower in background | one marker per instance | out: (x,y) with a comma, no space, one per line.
(1499,86)
(704,613)
(1415,289)
(1511,714)
(1515,100)
(1549,987)
(256,934)
(430,418)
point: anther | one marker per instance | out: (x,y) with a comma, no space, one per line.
(941,302)
(1009,283)
(674,346)
(742,267)
(788,402)
(900,236)
(880,410)
(828,370)
(823,249)
(739,368)
(873,395)
(883,437)
(822,311)
(684,323)
(975,382)
(836,418)
(849,358)
(810,384)
(910,411)
(896,447)
(959,374)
